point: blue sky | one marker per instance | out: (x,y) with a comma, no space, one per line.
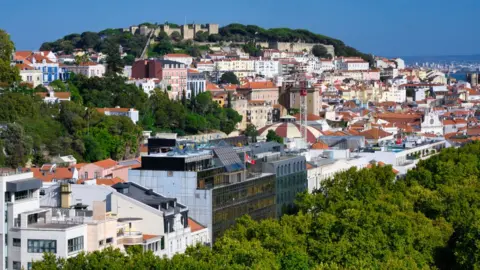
(381,27)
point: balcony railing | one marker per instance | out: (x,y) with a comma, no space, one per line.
(132,238)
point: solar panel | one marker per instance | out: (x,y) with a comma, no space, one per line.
(229,158)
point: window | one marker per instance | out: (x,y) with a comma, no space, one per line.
(29,266)
(75,244)
(17,265)
(22,195)
(100,243)
(109,240)
(86,175)
(17,242)
(41,246)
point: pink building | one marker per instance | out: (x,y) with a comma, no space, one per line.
(170,73)
(99,169)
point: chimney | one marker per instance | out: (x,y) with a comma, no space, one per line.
(66,195)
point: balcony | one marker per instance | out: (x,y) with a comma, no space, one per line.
(130,238)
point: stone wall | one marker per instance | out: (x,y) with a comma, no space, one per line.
(298,46)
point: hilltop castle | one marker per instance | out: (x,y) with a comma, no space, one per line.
(188,31)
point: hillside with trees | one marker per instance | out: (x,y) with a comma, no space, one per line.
(35,130)
(134,43)
(360,219)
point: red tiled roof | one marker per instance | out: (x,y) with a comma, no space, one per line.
(258,85)
(256,102)
(103,110)
(107,163)
(57,173)
(148,236)
(24,66)
(319,145)
(374,133)
(212,87)
(194,226)
(310,117)
(109,181)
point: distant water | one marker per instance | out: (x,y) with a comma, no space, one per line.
(459,76)
(446,59)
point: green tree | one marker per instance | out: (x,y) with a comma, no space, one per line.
(273,137)
(8,74)
(176,36)
(163,47)
(252,49)
(201,36)
(251,132)
(229,77)
(81,59)
(18,145)
(129,59)
(114,61)
(320,51)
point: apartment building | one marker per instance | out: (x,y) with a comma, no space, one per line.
(172,74)
(262,90)
(259,113)
(266,68)
(131,215)
(89,69)
(28,230)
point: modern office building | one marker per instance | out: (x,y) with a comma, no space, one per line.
(290,171)
(212,182)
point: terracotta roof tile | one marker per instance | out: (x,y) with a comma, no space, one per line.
(148,236)
(107,163)
(374,133)
(194,226)
(109,181)
(258,85)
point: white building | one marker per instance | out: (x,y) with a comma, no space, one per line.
(147,85)
(179,57)
(400,63)
(28,230)
(196,82)
(127,71)
(432,124)
(266,68)
(205,66)
(327,163)
(30,75)
(90,69)
(157,223)
(54,97)
(394,94)
(326,64)
(130,113)
(351,63)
